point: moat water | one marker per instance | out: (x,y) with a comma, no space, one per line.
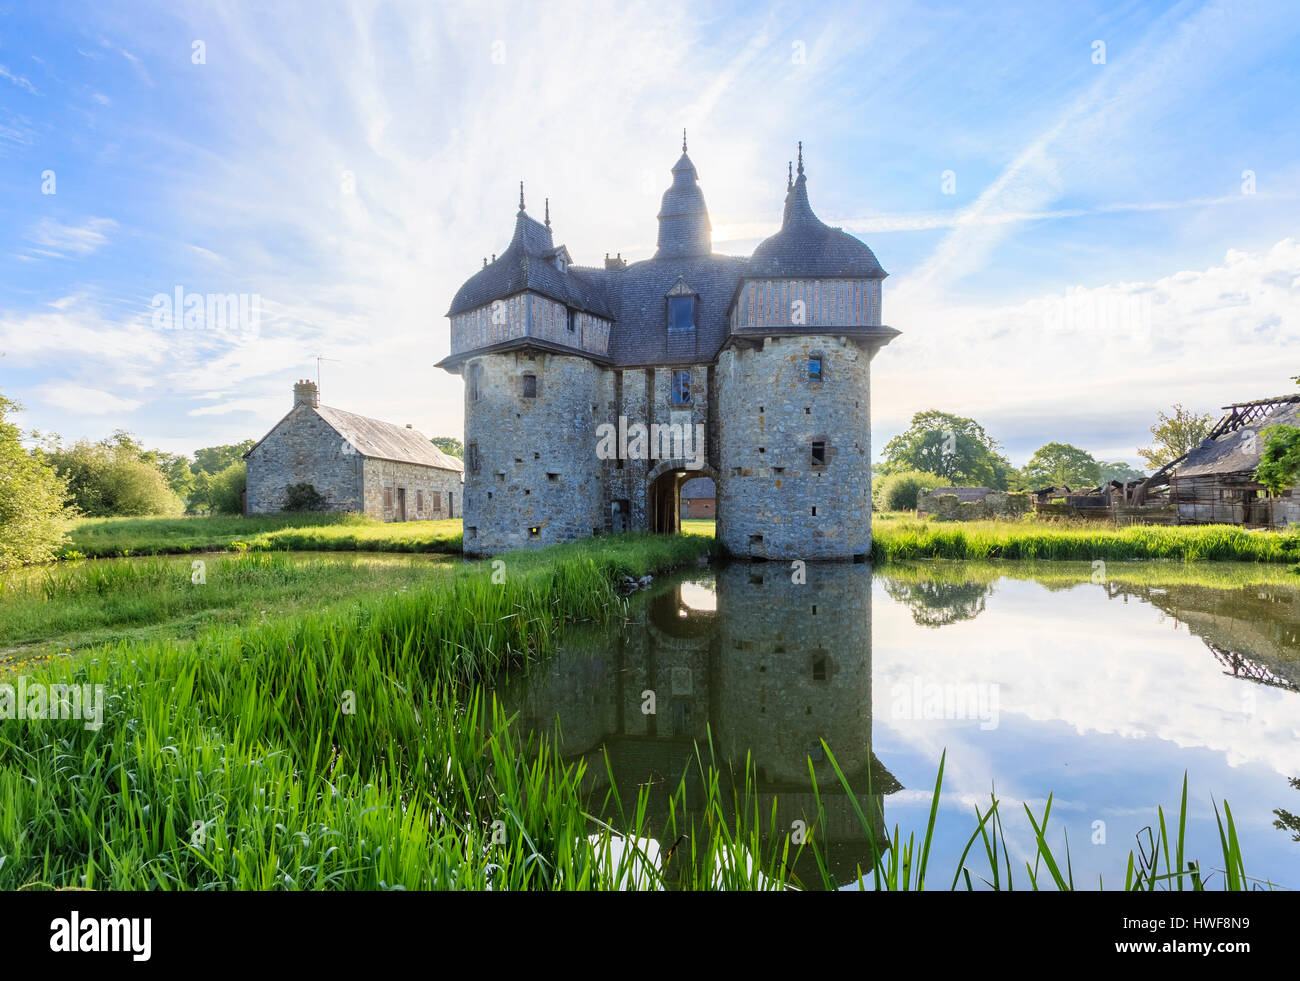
(1102,689)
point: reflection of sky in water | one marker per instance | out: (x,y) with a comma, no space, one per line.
(1102,695)
(1101,701)
(700,596)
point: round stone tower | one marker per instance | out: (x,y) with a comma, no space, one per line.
(526,336)
(794,393)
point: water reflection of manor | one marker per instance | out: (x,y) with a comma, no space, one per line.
(769,667)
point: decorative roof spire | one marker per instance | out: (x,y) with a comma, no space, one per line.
(548,212)
(789,175)
(801,158)
(683,139)
(521,197)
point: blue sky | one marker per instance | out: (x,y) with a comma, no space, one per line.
(1102,255)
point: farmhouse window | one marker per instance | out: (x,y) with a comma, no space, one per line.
(419,500)
(388,498)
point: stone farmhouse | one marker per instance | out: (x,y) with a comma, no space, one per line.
(592,394)
(353,462)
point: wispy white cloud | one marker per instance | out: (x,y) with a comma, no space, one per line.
(60,240)
(18,80)
(87,401)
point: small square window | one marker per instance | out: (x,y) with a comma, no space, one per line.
(534,532)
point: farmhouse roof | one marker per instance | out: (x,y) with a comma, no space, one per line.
(387,441)
(1239,447)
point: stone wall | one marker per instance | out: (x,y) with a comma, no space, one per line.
(773,502)
(303,449)
(437,490)
(532,476)
(994,505)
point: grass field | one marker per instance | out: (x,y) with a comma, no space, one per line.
(102,537)
(63,608)
(898,538)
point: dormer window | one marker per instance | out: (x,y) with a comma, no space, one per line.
(681,306)
(681,312)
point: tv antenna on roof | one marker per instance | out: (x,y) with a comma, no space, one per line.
(319,359)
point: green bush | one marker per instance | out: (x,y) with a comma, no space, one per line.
(226,489)
(112,478)
(302,497)
(31,499)
(897,492)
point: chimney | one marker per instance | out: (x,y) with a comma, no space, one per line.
(617,263)
(304,393)
(409,426)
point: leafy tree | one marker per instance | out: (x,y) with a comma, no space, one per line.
(32,498)
(176,468)
(1279,464)
(1120,471)
(1057,464)
(952,447)
(225,490)
(449,445)
(215,459)
(898,491)
(1176,435)
(112,477)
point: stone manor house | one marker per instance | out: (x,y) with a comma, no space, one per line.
(593,393)
(353,462)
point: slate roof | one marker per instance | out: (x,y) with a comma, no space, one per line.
(528,264)
(635,297)
(807,247)
(386,440)
(1236,451)
(639,297)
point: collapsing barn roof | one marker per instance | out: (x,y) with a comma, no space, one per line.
(1235,444)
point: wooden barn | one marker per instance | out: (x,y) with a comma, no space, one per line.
(1215,483)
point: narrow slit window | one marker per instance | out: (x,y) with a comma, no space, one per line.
(681,388)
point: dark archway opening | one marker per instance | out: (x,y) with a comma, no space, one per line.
(665,502)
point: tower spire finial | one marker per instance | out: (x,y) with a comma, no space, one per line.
(683,139)
(548,212)
(801,158)
(521,197)
(789,175)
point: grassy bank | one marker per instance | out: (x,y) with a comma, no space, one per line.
(897,539)
(68,606)
(104,537)
(361,749)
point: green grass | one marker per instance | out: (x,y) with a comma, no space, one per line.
(699,526)
(65,607)
(896,538)
(361,748)
(103,537)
